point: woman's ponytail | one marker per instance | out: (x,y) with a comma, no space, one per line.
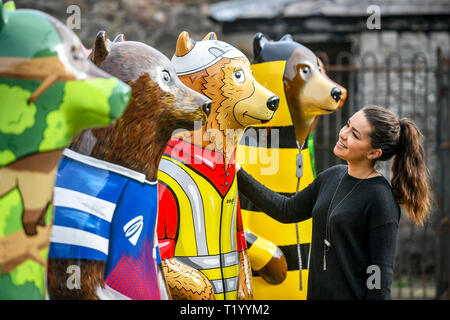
(409,173)
(402,139)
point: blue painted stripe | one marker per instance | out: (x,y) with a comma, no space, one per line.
(73,218)
(158,255)
(92,181)
(67,251)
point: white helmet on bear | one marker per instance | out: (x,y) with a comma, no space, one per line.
(192,56)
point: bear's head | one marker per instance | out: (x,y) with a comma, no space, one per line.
(155,84)
(160,104)
(49,89)
(223,73)
(307,89)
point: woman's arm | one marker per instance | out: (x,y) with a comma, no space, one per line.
(382,242)
(383,230)
(281,208)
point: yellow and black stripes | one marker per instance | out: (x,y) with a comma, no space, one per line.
(279,235)
(280,136)
(269,153)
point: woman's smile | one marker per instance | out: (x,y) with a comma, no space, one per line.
(341,145)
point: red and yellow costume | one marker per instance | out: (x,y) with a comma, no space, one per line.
(199,220)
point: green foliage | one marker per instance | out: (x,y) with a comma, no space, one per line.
(27,279)
(6,156)
(9,291)
(85,104)
(2,16)
(10,6)
(28,141)
(56,135)
(30,271)
(16,115)
(10,213)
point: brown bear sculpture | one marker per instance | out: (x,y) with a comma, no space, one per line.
(103,242)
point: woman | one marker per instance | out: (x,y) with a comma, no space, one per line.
(355,210)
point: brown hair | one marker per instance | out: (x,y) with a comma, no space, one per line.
(402,138)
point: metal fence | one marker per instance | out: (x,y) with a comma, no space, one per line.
(416,87)
(442,219)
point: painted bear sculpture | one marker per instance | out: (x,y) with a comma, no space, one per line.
(49,91)
(106,189)
(297,76)
(200,224)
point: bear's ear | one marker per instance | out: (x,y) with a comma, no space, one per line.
(258,43)
(210,36)
(184,44)
(321,67)
(100,49)
(287,37)
(120,38)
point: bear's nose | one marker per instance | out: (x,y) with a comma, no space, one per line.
(336,94)
(207,108)
(273,102)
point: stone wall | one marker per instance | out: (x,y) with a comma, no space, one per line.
(410,91)
(155,22)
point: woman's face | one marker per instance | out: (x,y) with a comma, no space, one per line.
(353,144)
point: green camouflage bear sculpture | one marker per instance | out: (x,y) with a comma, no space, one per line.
(49,91)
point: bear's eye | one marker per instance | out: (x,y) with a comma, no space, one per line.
(165,75)
(239,76)
(305,70)
(76,53)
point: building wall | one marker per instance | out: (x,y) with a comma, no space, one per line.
(155,22)
(409,92)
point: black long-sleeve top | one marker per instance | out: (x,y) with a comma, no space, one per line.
(362,231)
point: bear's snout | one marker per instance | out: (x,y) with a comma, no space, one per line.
(272,103)
(336,94)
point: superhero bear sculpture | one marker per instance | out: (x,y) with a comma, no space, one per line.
(106,190)
(297,76)
(200,222)
(49,92)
